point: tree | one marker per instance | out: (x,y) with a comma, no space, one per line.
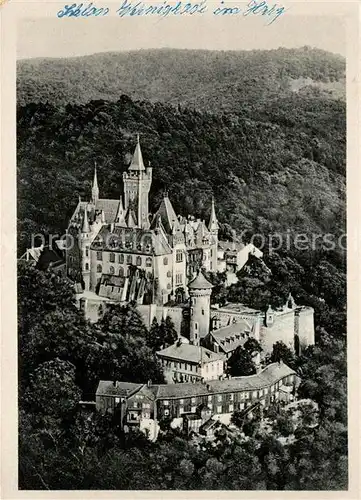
(280,352)
(52,390)
(241,362)
(161,335)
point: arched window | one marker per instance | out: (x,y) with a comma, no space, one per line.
(148,262)
(121,271)
(111,270)
(129,259)
(139,261)
(121,258)
(99,256)
(111,257)
(165,261)
(99,268)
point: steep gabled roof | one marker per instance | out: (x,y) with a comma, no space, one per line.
(109,207)
(167,214)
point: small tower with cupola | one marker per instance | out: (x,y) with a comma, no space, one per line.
(200,290)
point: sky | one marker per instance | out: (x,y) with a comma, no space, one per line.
(52,37)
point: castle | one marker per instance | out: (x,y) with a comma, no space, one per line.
(117,251)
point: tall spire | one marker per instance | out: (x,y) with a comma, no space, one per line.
(213,225)
(95,188)
(137,160)
(85,228)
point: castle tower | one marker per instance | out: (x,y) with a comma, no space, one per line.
(137,182)
(213,228)
(95,188)
(85,240)
(200,290)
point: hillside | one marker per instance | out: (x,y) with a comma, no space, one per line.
(206,80)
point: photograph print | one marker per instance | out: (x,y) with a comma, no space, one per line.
(181,248)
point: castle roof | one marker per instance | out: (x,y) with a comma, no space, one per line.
(131,240)
(268,376)
(200,282)
(189,353)
(230,337)
(109,207)
(137,160)
(167,214)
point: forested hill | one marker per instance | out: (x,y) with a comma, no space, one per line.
(205,80)
(283,170)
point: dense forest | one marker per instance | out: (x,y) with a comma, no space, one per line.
(262,131)
(202,79)
(61,447)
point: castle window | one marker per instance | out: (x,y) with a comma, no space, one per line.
(99,255)
(87,267)
(148,262)
(169,274)
(121,258)
(178,279)
(111,270)
(196,325)
(165,261)
(219,409)
(99,268)
(169,286)
(111,257)
(203,312)
(179,256)
(121,271)
(87,252)
(129,259)
(139,261)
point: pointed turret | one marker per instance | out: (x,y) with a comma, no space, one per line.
(85,228)
(213,225)
(95,188)
(137,160)
(120,217)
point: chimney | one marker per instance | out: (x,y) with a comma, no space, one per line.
(149,383)
(114,383)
